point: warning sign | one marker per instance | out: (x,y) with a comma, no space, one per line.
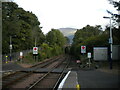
(35,50)
(83,49)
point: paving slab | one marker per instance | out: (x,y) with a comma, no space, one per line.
(97,79)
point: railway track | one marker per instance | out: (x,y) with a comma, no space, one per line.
(12,78)
(9,81)
(49,80)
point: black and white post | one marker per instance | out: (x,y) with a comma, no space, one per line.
(89,56)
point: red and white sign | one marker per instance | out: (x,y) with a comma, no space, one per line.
(78,61)
(83,49)
(35,50)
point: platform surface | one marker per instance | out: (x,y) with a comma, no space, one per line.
(90,79)
(70,81)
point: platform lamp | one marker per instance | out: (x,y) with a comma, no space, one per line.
(110,41)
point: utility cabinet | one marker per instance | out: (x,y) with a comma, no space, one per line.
(100,53)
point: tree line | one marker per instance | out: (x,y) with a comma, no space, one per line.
(94,36)
(24,29)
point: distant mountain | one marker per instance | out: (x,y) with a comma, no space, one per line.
(68,32)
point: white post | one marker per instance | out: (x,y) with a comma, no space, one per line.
(10,47)
(89,56)
(21,56)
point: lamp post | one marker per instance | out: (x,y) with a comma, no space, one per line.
(110,41)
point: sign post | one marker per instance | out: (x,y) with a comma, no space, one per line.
(35,52)
(89,56)
(10,52)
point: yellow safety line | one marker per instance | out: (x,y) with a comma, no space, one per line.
(78,87)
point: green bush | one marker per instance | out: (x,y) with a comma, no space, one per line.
(49,51)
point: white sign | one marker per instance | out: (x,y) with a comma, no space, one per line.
(21,53)
(10,46)
(89,55)
(83,49)
(35,50)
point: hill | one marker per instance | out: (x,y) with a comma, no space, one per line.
(68,32)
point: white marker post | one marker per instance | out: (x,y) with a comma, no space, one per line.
(89,56)
(21,56)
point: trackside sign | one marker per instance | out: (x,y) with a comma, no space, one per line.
(35,50)
(83,49)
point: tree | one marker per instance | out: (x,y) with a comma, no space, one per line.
(22,26)
(55,37)
(116,31)
(117,6)
(67,40)
(89,36)
(86,32)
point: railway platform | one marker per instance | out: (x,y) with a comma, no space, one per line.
(93,79)
(70,81)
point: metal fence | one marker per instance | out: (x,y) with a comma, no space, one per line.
(15,55)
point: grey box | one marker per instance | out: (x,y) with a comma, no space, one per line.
(100,53)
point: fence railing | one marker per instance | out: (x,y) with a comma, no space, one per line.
(15,55)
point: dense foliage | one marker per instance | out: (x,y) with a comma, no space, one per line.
(116,4)
(89,36)
(116,19)
(22,26)
(92,36)
(24,30)
(54,44)
(55,37)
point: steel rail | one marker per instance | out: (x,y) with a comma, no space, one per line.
(11,82)
(61,76)
(33,85)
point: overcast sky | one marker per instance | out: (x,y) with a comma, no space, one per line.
(68,13)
